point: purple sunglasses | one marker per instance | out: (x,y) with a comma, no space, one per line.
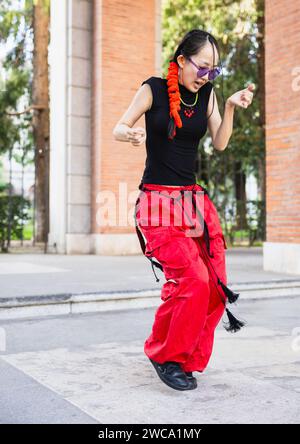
(212,73)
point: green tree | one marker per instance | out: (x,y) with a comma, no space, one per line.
(238,27)
(24,107)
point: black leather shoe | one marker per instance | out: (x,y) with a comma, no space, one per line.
(172,375)
(191,378)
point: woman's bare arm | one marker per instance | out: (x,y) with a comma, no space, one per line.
(141,102)
(220,130)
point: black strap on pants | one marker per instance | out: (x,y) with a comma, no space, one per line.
(142,187)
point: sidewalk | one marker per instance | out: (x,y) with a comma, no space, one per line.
(91,368)
(51,284)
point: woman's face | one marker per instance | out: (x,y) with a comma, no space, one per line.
(187,73)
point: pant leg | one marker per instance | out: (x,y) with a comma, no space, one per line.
(200,357)
(202,353)
(185,295)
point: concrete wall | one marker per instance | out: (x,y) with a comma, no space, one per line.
(70,156)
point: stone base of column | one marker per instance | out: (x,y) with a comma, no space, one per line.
(281,257)
(115,244)
(78,244)
(102,244)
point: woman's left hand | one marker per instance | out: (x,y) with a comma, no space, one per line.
(243,97)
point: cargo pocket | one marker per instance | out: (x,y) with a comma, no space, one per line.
(169,289)
(217,248)
(217,244)
(166,248)
(156,237)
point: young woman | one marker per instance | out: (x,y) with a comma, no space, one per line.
(174,214)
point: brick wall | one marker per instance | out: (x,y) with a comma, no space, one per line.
(282,42)
(127,49)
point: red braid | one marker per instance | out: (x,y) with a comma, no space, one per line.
(174,99)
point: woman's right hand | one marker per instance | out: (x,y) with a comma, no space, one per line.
(136,136)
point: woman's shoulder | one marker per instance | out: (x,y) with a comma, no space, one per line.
(159,91)
(155,81)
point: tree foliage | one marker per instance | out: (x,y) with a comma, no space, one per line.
(234,24)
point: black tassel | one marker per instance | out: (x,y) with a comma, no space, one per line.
(231,296)
(234,323)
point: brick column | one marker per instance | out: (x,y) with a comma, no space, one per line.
(100,52)
(282,249)
(126,50)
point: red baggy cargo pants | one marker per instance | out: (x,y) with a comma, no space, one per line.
(184,324)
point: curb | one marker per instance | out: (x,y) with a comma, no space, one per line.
(62,304)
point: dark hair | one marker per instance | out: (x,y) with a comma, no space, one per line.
(192,42)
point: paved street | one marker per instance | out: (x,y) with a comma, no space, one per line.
(90,368)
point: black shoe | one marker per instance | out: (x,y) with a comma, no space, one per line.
(191,378)
(172,374)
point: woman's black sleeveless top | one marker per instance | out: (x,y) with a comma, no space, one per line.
(172,162)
